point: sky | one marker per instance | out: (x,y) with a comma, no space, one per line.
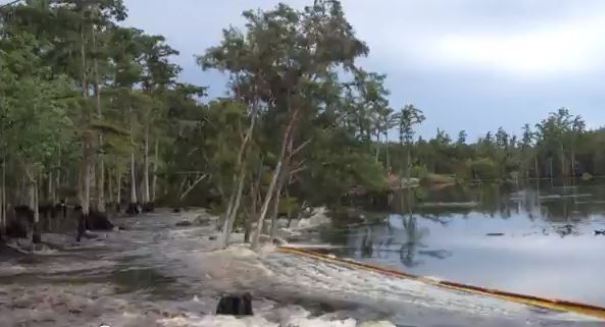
(473,65)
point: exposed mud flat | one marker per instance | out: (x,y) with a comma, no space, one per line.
(156,274)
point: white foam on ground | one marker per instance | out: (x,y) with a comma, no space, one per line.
(317,219)
(96,304)
(415,300)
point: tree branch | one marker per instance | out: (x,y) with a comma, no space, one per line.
(300,147)
(192,186)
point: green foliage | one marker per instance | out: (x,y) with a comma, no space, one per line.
(419,171)
(484,169)
(34,107)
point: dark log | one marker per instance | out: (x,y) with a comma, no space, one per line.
(235,305)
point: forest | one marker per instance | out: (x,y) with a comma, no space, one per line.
(94,121)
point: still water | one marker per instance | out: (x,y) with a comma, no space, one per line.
(539,239)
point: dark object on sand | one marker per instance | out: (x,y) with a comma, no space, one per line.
(235,305)
(212,238)
(176,210)
(93,221)
(133,209)
(17,226)
(495,234)
(600,232)
(184,223)
(148,207)
(565,230)
(81,226)
(98,221)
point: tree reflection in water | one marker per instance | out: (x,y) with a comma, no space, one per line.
(367,243)
(564,208)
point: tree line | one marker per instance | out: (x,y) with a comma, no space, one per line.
(559,146)
(92,115)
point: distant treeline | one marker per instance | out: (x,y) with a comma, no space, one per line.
(558,146)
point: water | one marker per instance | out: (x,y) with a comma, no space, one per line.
(537,240)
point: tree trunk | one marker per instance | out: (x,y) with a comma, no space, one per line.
(223,223)
(377,158)
(265,207)
(563,168)
(573,163)
(280,184)
(276,173)
(537,168)
(118,190)
(3,205)
(87,181)
(93,176)
(276,201)
(133,180)
(388,157)
(110,187)
(409,163)
(253,207)
(228,227)
(57,184)
(408,167)
(49,190)
(84,189)
(146,194)
(101,207)
(255,187)
(289,210)
(154,183)
(33,205)
(234,199)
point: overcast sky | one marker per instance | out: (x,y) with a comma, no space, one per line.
(469,64)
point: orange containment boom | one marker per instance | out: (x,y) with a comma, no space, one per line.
(551,304)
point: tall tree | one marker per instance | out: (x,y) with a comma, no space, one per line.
(409,117)
(285,53)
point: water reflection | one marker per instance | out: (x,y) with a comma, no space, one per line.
(539,239)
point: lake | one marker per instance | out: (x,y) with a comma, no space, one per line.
(538,239)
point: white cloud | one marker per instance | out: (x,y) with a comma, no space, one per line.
(574,46)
